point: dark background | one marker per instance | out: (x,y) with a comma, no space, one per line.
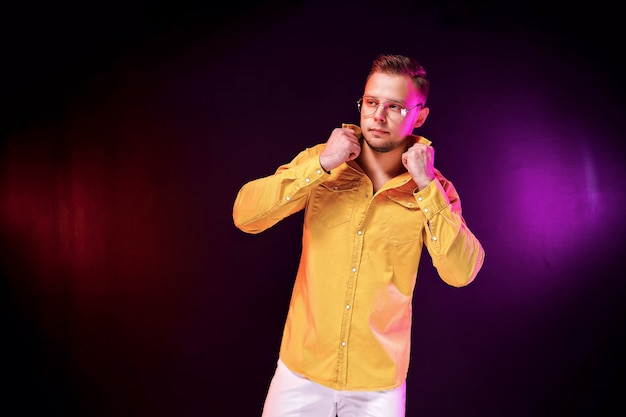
(128,127)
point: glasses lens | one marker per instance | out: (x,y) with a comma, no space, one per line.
(394,110)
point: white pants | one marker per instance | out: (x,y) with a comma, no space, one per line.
(291,395)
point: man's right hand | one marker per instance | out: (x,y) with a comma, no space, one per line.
(343,145)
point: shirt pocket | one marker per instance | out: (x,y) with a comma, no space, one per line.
(333,201)
(401,220)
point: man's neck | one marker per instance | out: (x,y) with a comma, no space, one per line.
(380,167)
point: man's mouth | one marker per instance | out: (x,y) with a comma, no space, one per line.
(377,131)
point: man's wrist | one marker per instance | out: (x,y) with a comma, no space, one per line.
(422,182)
(322,165)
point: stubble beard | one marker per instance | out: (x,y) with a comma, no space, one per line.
(387,146)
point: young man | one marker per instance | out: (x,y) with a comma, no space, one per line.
(372,199)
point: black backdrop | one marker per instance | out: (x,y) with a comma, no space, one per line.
(128,127)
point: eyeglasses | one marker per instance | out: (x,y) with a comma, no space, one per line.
(395,110)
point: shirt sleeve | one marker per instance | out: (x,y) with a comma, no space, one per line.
(456,253)
(263,202)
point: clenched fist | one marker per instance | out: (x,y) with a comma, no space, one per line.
(343,145)
(419,160)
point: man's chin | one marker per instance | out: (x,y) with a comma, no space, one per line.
(382,145)
(379,145)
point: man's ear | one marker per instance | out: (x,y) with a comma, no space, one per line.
(422,117)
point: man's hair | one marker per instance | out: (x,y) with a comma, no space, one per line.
(402,65)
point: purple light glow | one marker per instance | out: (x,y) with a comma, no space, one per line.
(558,187)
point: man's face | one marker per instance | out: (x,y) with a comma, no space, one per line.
(384,129)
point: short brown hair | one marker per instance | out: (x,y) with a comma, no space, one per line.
(402,65)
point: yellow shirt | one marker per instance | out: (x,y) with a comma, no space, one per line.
(348,325)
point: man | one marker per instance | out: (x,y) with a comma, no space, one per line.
(372,199)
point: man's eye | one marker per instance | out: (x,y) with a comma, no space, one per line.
(371,103)
(395,107)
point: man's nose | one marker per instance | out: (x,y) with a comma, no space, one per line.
(380,112)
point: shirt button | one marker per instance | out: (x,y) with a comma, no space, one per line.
(288,198)
(353,269)
(360,232)
(425,210)
(307,180)
(348,307)
(434,238)
(319,171)
(419,198)
(343,343)
(410,204)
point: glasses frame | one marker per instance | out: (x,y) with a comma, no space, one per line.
(405,110)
